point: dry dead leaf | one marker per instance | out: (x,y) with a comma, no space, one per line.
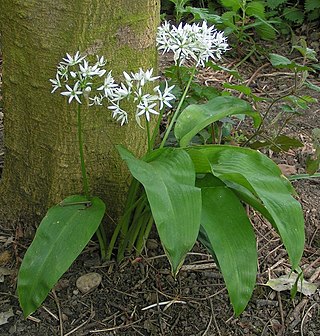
(4,316)
(287,169)
(286,282)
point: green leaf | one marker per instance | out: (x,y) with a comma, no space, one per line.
(263,178)
(293,14)
(203,14)
(314,15)
(275,3)
(240,88)
(311,5)
(312,86)
(284,143)
(312,164)
(60,238)
(169,182)
(217,67)
(265,30)
(313,161)
(306,52)
(250,198)
(278,60)
(194,118)
(255,8)
(234,4)
(229,232)
(280,143)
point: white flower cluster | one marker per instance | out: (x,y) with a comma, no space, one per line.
(196,42)
(135,89)
(77,79)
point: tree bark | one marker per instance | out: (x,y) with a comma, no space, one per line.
(42,163)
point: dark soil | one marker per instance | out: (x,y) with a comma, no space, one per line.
(140,297)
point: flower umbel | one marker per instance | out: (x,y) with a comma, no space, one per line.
(196,42)
(78,79)
(135,90)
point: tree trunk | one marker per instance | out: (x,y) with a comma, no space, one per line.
(42,163)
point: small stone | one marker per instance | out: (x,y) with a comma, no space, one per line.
(88,282)
(13,329)
(186,291)
(5,257)
(170,279)
(68,312)
(193,276)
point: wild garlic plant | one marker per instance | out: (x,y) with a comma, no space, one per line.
(185,191)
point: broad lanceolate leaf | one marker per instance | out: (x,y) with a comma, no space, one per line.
(194,118)
(263,179)
(229,232)
(169,181)
(63,233)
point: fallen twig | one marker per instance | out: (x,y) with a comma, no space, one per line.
(164,303)
(59,311)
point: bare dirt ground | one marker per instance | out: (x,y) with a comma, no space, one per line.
(140,297)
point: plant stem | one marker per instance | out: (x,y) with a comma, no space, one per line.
(156,130)
(258,130)
(143,235)
(123,226)
(102,242)
(100,232)
(252,51)
(213,135)
(303,176)
(83,166)
(178,108)
(149,137)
